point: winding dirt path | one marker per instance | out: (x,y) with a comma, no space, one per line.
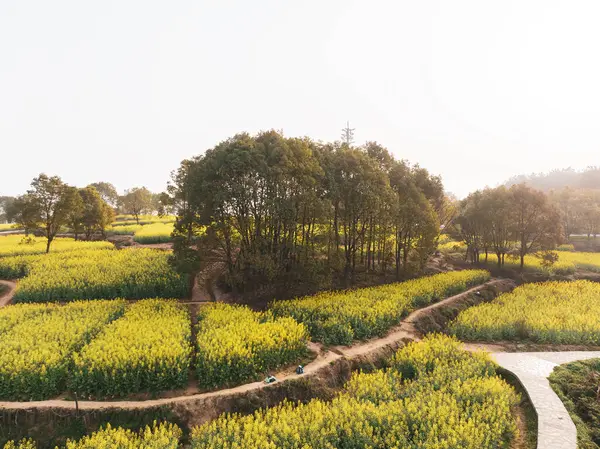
(325,356)
(7,296)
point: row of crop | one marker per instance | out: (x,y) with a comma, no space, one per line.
(341,317)
(35,352)
(93,348)
(90,274)
(148,349)
(235,344)
(550,312)
(106,349)
(433,396)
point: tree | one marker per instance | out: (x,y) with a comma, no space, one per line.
(497,219)
(46,206)
(75,213)
(472,224)
(165,204)
(361,186)
(498,206)
(5,204)
(535,221)
(587,206)
(107,192)
(96,214)
(137,201)
(567,200)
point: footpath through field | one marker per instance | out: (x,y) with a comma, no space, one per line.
(6,297)
(326,356)
(555,427)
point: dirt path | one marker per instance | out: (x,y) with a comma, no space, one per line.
(7,296)
(325,356)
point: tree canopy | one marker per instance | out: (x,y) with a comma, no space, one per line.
(497,220)
(278,209)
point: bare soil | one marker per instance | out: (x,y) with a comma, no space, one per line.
(6,294)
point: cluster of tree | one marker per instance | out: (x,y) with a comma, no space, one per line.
(5,203)
(280,209)
(136,201)
(51,204)
(560,179)
(508,221)
(580,210)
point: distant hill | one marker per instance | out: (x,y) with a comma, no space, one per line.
(560,178)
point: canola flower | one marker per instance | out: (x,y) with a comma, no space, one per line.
(549,312)
(157,436)
(450,246)
(154,233)
(35,353)
(25,443)
(583,261)
(565,247)
(564,266)
(147,349)
(125,219)
(90,274)
(16,244)
(434,396)
(129,229)
(341,317)
(15,314)
(235,344)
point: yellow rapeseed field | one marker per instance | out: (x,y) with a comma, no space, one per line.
(434,396)
(154,233)
(550,312)
(35,352)
(341,317)
(17,244)
(148,349)
(125,229)
(125,219)
(157,436)
(236,344)
(90,274)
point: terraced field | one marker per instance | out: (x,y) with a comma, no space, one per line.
(551,313)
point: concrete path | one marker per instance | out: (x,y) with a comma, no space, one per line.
(555,427)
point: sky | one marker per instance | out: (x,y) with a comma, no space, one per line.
(123,91)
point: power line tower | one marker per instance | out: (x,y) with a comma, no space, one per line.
(348,134)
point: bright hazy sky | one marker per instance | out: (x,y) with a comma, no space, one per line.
(122,91)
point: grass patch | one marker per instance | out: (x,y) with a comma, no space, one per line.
(577,385)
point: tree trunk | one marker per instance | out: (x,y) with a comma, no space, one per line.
(522,261)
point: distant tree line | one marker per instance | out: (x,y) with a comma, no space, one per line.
(579,210)
(287,210)
(51,206)
(560,179)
